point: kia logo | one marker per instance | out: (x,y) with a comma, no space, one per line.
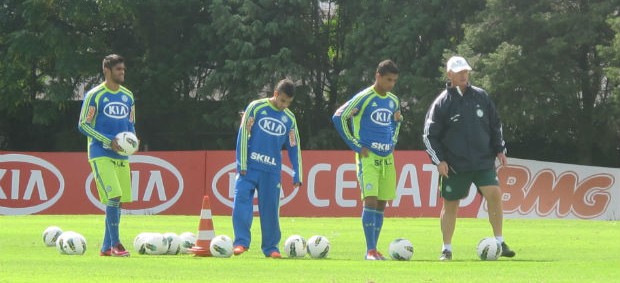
(116,110)
(38,183)
(381,116)
(272,126)
(156,189)
(229,172)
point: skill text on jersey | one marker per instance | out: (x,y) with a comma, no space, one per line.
(265,159)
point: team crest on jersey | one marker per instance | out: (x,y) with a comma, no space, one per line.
(391,104)
(125,98)
(284,119)
(479,113)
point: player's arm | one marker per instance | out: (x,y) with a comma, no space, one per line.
(294,151)
(497,138)
(396,121)
(341,122)
(245,129)
(433,128)
(87,119)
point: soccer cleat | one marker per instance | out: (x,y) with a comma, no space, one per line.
(239,250)
(107,252)
(275,254)
(506,251)
(119,251)
(445,255)
(373,255)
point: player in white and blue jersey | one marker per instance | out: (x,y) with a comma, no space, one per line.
(369,124)
(267,126)
(109,109)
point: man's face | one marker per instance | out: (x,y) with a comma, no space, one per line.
(460,79)
(282,100)
(386,82)
(116,73)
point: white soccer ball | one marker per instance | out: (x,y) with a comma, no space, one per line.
(71,243)
(188,240)
(489,249)
(174,243)
(295,246)
(318,247)
(154,244)
(221,246)
(50,235)
(401,249)
(128,142)
(139,240)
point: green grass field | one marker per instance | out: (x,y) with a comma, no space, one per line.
(547,251)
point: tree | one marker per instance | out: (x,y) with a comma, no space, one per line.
(540,62)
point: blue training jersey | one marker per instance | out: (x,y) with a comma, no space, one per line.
(264,130)
(367,120)
(104,114)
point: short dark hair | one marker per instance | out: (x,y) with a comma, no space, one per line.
(286,86)
(387,67)
(111,61)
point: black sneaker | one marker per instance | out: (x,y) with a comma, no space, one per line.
(445,255)
(506,251)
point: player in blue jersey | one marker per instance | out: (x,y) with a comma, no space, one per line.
(108,109)
(266,127)
(369,124)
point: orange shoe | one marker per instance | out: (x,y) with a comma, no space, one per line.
(119,251)
(108,252)
(239,250)
(275,254)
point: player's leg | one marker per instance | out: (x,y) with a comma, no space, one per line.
(387,191)
(368,182)
(269,208)
(453,189)
(487,183)
(242,210)
(108,186)
(123,174)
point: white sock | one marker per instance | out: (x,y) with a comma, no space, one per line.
(446,247)
(500,239)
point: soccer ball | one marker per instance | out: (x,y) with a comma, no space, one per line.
(139,240)
(401,249)
(318,247)
(221,246)
(188,240)
(489,249)
(295,246)
(71,243)
(128,142)
(50,235)
(174,243)
(154,244)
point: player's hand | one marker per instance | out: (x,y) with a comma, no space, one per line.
(397,116)
(502,159)
(364,152)
(443,168)
(114,145)
(243,172)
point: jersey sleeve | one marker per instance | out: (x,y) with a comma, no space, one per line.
(245,128)
(497,137)
(342,119)
(294,150)
(87,120)
(433,128)
(396,123)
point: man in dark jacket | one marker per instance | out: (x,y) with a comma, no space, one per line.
(463,137)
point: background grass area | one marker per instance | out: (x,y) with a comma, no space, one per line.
(547,251)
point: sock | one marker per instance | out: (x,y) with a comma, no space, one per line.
(106,245)
(378,225)
(500,239)
(368,223)
(112,212)
(446,247)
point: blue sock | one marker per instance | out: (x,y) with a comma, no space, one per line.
(106,245)
(368,222)
(112,212)
(378,225)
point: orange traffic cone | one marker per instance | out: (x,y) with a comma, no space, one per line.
(206,233)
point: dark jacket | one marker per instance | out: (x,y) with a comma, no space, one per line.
(463,130)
